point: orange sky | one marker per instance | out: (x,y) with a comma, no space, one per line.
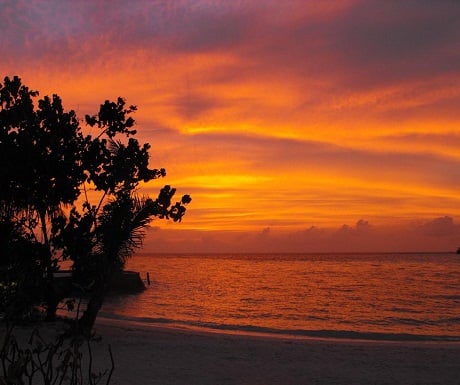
(294,125)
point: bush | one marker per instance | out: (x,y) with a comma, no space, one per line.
(65,360)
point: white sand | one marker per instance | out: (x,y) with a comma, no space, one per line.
(145,355)
(154,355)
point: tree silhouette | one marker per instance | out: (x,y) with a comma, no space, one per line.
(113,229)
(40,166)
(76,190)
(119,233)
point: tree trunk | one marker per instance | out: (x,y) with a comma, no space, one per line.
(52,300)
(51,297)
(87,320)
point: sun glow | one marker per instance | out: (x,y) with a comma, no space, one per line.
(286,116)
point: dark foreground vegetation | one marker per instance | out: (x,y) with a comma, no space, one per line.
(69,193)
(58,359)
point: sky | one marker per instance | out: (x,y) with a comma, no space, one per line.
(296,126)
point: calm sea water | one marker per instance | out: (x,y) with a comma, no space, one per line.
(388,296)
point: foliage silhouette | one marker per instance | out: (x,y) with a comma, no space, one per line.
(67,193)
(40,167)
(62,360)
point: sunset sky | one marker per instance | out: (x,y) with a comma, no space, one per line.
(294,125)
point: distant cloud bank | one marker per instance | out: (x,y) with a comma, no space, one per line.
(436,235)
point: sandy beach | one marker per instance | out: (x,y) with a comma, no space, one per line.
(146,354)
(168,356)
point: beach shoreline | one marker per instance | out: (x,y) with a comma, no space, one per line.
(151,354)
(320,336)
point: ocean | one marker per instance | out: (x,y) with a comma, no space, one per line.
(362,296)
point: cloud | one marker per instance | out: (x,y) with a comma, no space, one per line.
(301,35)
(435,235)
(280,115)
(322,61)
(66,29)
(265,232)
(270,156)
(363,226)
(194,106)
(251,182)
(440,227)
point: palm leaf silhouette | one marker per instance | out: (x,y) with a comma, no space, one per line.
(122,228)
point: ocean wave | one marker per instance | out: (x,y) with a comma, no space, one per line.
(293,333)
(422,322)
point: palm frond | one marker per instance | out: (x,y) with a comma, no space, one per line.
(114,145)
(122,227)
